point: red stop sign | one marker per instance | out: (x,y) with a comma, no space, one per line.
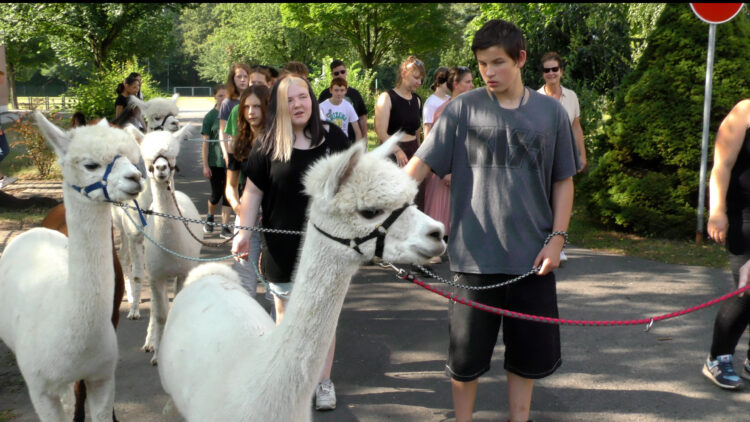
(716,12)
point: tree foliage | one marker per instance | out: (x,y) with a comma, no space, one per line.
(217,35)
(376,31)
(648,180)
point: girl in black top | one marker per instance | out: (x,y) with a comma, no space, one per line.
(251,118)
(294,138)
(130,86)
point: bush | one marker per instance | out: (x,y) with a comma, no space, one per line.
(96,97)
(32,145)
(356,78)
(647,181)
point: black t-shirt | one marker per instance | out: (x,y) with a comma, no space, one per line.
(235,165)
(284,204)
(355,98)
(121,101)
(405,114)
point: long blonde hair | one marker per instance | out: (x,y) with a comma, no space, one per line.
(278,141)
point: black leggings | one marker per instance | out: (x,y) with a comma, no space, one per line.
(4,147)
(733,316)
(218,184)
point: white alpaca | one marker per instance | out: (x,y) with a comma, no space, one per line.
(221,356)
(160,150)
(56,291)
(158,113)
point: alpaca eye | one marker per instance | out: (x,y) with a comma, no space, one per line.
(370,214)
(91,166)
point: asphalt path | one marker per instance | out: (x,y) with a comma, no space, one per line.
(392,343)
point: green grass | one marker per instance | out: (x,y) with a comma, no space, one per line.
(7,416)
(585,232)
(29,216)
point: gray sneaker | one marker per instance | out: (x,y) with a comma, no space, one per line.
(721,372)
(746,370)
(325,396)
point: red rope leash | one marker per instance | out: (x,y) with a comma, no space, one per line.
(559,321)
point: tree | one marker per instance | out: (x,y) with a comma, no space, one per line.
(23,59)
(647,182)
(374,30)
(225,40)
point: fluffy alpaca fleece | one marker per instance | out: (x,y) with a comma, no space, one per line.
(132,247)
(278,368)
(56,292)
(158,113)
(160,150)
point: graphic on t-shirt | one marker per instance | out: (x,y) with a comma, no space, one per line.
(490,146)
(338,118)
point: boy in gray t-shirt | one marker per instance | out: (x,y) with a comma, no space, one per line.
(511,156)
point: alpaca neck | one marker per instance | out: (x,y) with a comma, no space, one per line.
(162,196)
(90,263)
(309,325)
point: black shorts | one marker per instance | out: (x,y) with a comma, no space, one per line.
(532,349)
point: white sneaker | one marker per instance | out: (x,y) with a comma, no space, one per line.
(563,258)
(5,181)
(325,396)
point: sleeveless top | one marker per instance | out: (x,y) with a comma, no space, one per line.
(405,114)
(738,201)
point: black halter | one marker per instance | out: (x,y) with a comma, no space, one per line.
(378,232)
(163,122)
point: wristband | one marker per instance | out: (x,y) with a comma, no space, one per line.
(557,233)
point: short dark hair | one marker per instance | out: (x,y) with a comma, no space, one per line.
(338,81)
(296,68)
(551,56)
(500,33)
(440,77)
(336,63)
(263,71)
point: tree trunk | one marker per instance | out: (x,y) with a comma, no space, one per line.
(11,68)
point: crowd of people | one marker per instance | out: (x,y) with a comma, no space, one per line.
(495,165)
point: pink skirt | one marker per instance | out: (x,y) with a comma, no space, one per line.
(437,200)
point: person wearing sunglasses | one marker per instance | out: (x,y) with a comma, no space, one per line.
(552,71)
(338,70)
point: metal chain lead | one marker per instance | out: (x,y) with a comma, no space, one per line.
(192,220)
(454,284)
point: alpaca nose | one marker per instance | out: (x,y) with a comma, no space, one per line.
(161,167)
(436,234)
(134,177)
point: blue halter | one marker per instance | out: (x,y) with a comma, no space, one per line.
(102,184)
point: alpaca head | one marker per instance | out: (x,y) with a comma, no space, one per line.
(160,150)
(97,160)
(354,193)
(158,113)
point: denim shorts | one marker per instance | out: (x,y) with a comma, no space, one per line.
(532,349)
(281,290)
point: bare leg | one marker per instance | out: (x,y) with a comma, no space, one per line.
(280,305)
(329,361)
(464,395)
(519,397)
(226,214)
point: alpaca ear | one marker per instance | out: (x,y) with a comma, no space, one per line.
(343,168)
(183,133)
(385,150)
(103,122)
(135,102)
(175,97)
(135,133)
(55,137)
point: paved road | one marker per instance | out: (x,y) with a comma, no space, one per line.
(392,343)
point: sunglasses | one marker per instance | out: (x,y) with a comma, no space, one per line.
(339,72)
(551,69)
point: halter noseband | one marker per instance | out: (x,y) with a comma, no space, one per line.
(102,184)
(163,122)
(378,233)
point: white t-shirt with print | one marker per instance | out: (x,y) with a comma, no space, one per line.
(433,103)
(341,114)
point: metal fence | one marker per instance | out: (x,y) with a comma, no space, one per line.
(184,90)
(47,103)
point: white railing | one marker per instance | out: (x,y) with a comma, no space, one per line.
(182,90)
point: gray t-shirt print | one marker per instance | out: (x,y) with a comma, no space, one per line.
(503,164)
